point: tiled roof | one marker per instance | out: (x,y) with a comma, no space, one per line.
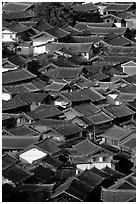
(8,160)
(82,82)
(118,40)
(75,47)
(50,123)
(71,30)
(78,60)
(74,187)
(76,96)
(85,7)
(100,76)
(43,174)
(29,97)
(86,109)
(68,73)
(125,15)
(19,15)
(48,146)
(16,174)
(115,173)
(126,97)
(55,86)
(13,104)
(17,60)
(43,27)
(118,7)
(23,131)
(117,195)
(15,89)
(92,94)
(94,68)
(16,7)
(83,25)
(90,178)
(106,30)
(68,129)
(63,62)
(17,75)
(117,132)
(99,118)
(131,79)
(86,39)
(129,143)
(52,161)
(130,88)
(86,147)
(18,143)
(99,172)
(129,64)
(57,32)
(46,111)
(119,111)
(17,27)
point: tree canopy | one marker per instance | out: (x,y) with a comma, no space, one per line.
(54,13)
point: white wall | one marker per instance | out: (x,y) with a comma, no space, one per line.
(6,96)
(8,36)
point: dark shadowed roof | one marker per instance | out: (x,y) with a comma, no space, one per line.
(16,174)
(17,75)
(43,174)
(48,159)
(100,172)
(90,178)
(75,188)
(8,160)
(115,173)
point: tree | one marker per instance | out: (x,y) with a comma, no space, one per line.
(55,13)
(33,67)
